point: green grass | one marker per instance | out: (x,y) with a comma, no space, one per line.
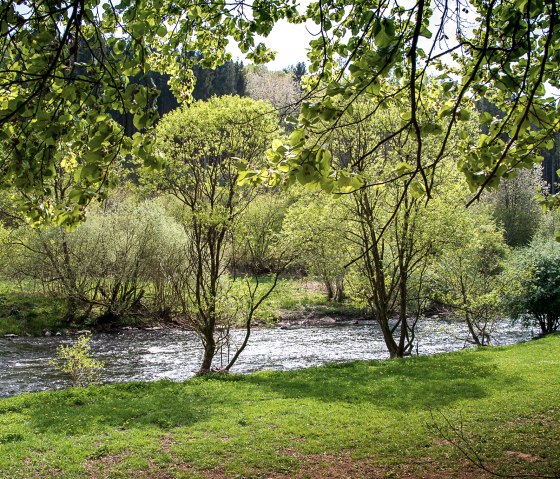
(300,297)
(26,312)
(378,415)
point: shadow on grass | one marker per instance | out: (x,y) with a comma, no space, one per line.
(397,385)
(403,385)
(161,405)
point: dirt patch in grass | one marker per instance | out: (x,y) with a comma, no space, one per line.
(101,467)
(524,456)
(343,466)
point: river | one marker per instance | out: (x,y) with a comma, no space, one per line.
(140,355)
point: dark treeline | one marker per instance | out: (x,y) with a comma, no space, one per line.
(226,79)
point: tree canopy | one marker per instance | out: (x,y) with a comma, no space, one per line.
(67,66)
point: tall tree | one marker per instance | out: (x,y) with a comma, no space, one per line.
(202,146)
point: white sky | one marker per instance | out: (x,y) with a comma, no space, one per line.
(289,41)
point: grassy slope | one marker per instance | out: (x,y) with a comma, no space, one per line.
(28,312)
(279,423)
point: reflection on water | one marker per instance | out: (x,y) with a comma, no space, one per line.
(151,355)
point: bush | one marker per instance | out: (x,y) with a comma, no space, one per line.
(76,360)
(536,296)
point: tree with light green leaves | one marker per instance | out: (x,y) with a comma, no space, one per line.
(202,146)
(313,229)
(67,65)
(387,220)
(465,275)
(393,51)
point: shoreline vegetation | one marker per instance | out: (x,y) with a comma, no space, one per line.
(376,419)
(27,312)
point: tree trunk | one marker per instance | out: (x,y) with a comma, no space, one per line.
(392,346)
(339,288)
(71,284)
(209,352)
(474,336)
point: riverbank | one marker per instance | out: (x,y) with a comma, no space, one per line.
(25,311)
(374,419)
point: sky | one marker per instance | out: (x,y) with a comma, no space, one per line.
(289,41)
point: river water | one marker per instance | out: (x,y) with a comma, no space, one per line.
(140,355)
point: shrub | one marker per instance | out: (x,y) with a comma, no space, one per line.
(77,361)
(536,297)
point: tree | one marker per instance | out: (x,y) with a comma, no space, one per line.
(535,271)
(278,88)
(67,66)
(202,146)
(465,275)
(313,229)
(515,207)
(394,51)
(109,268)
(388,220)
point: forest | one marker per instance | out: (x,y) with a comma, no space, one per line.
(400,180)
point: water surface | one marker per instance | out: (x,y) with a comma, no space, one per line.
(140,355)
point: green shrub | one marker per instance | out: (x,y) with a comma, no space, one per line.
(77,361)
(536,295)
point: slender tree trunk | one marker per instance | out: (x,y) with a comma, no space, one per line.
(209,352)
(71,284)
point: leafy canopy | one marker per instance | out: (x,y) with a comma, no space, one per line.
(67,67)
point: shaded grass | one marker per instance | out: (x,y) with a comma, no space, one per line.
(26,312)
(268,423)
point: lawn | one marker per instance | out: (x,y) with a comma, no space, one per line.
(377,419)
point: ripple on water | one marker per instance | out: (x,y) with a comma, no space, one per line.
(151,355)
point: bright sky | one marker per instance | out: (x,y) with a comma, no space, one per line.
(287,40)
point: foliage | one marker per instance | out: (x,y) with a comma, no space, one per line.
(397,53)
(515,206)
(257,233)
(374,415)
(66,67)
(314,229)
(203,145)
(109,267)
(465,274)
(76,361)
(536,272)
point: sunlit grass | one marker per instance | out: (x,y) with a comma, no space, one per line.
(382,412)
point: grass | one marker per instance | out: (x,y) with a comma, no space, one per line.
(359,419)
(300,297)
(24,312)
